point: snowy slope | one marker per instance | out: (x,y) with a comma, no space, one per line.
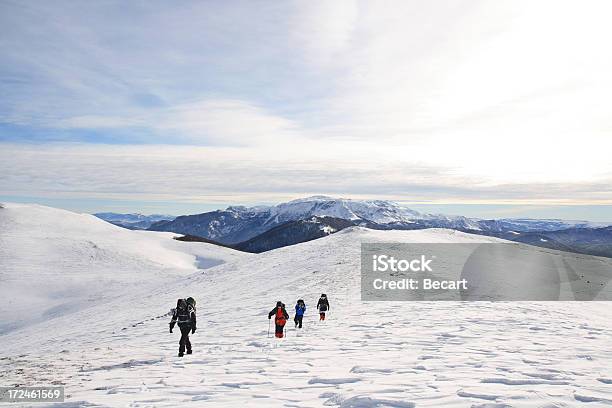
(57,261)
(367,354)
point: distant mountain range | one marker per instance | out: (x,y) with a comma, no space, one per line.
(133,221)
(262,228)
(583,240)
(238,224)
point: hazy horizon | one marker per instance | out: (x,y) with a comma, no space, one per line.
(593,213)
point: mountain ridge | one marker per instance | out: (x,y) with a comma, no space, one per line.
(385,211)
(133,220)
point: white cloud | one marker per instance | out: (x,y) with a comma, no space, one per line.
(506,99)
(224,122)
(256,173)
(503,91)
(323,30)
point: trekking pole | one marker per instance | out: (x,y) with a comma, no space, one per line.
(269,321)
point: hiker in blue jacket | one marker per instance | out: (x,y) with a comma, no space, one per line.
(300,308)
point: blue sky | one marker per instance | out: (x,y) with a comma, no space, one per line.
(473,107)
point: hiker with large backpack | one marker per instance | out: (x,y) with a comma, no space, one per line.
(280,318)
(185,316)
(323,306)
(300,309)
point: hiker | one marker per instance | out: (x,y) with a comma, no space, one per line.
(323,306)
(300,308)
(185,316)
(280,318)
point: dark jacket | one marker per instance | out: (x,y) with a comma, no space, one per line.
(273,313)
(185,317)
(323,304)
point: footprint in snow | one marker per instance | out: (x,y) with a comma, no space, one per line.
(368,402)
(333,381)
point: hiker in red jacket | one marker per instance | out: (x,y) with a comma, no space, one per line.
(280,318)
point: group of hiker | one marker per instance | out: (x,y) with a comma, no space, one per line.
(281,316)
(184,315)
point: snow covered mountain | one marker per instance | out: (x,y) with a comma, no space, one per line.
(376,211)
(367,354)
(237,224)
(133,221)
(57,261)
(591,241)
(259,228)
(530,224)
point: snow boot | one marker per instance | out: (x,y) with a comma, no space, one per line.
(180,354)
(188,351)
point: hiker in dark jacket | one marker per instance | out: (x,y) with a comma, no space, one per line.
(280,318)
(323,306)
(185,316)
(300,309)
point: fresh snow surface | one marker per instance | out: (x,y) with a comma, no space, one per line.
(54,262)
(366,354)
(328,230)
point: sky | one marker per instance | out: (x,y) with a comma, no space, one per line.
(486,108)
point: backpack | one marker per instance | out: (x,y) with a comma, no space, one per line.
(183,312)
(191,301)
(280,317)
